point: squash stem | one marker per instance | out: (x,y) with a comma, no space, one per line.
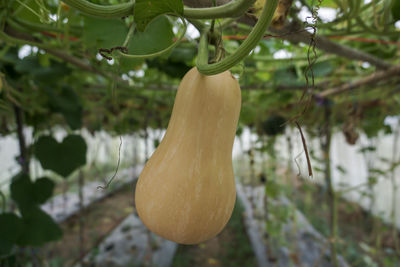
(244,49)
(231,9)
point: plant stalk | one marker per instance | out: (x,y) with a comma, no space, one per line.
(332,197)
(231,9)
(244,49)
(23,158)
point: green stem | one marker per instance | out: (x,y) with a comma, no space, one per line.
(198,24)
(370,29)
(129,35)
(226,22)
(159,53)
(10,39)
(231,9)
(332,196)
(38,27)
(95,10)
(244,49)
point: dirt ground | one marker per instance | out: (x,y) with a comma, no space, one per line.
(230,248)
(97,220)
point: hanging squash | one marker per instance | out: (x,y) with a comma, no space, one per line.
(186,191)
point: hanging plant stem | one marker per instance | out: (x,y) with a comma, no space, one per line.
(244,49)
(231,9)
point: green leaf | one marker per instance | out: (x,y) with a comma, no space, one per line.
(321,69)
(43,189)
(272,189)
(286,76)
(367,149)
(68,103)
(372,180)
(104,33)
(11,228)
(274,125)
(396,9)
(146,10)
(50,74)
(341,169)
(377,171)
(62,158)
(22,191)
(28,194)
(173,69)
(157,36)
(39,228)
(30,11)
(183,54)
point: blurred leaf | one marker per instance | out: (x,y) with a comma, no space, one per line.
(68,103)
(321,69)
(157,36)
(173,69)
(22,191)
(386,160)
(11,228)
(367,149)
(39,228)
(272,189)
(28,194)
(183,54)
(387,129)
(316,169)
(25,11)
(274,125)
(62,158)
(104,33)
(341,169)
(396,9)
(394,166)
(146,10)
(43,189)
(376,171)
(286,76)
(49,74)
(372,180)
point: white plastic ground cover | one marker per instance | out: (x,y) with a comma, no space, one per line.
(131,244)
(62,207)
(309,246)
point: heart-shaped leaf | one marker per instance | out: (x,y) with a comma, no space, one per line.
(28,194)
(62,158)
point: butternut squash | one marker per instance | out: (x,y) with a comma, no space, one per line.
(186,191)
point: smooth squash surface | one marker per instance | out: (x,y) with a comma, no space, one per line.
(186,191)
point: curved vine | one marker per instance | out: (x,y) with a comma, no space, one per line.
(231,9)
(244,49)
(159,53)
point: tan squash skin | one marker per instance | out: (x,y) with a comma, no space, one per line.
(186,191)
